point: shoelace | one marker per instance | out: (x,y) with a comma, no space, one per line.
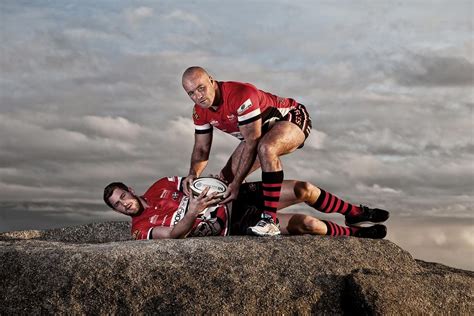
(365,212)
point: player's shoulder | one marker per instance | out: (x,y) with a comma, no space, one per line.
(197,110)
(174,181)
(238,93)
(235,87)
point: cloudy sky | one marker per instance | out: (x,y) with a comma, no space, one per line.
(90,93)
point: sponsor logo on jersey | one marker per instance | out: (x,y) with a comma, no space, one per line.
(252,187)
(154,219)
(175,195)
(207,228)
(195,115)
(214,123)
(181,211)
(135,234)
(244,106)
(231,117)
(164,194)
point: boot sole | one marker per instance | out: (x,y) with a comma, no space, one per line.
(379,232)
(250,231)
(364,223)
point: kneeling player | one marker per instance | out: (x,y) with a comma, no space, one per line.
(165,212)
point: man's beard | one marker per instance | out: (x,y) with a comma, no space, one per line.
(141,207)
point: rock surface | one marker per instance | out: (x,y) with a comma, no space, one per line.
(97,269)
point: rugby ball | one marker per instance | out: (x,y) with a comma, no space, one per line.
(215,185)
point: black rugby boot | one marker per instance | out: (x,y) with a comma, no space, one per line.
(374,232)
(367,216)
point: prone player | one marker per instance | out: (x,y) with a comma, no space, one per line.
(164,211)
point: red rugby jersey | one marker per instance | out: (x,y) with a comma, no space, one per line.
(167,205)
(241,103)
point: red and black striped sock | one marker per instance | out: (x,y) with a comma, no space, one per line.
(338,230)
(329,203)
(271,183)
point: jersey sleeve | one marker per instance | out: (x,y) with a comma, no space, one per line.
(201,125)
(142,230)
(167,183)
(174,182)
(247,104)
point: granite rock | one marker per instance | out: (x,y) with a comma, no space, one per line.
(97,269)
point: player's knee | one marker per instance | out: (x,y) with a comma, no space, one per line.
(305,191)
(266,150)
(304,224)
(312,225)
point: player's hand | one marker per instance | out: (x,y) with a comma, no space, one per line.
(226,176)
(231,194)
(219,177)
(199,204)
(187,183)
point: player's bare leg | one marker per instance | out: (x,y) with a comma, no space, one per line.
(229,170)
(299,224)
(294,192)
(284,137)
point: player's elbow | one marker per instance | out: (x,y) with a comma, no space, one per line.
(175,235)
(201,153)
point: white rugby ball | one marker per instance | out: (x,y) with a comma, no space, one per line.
(215,185)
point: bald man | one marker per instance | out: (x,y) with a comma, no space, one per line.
(268,126)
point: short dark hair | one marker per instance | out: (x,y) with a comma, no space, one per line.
(110,189)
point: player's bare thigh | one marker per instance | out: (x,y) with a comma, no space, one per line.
(287,194)
(283,138)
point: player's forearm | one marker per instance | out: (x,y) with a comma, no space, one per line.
(184,226)
(247,159)
(197,167)
(199,159)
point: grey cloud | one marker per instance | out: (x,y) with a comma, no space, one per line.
(137,15)
(434,71)
(46,215)
(435,239)
(82,152)
(31,141)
